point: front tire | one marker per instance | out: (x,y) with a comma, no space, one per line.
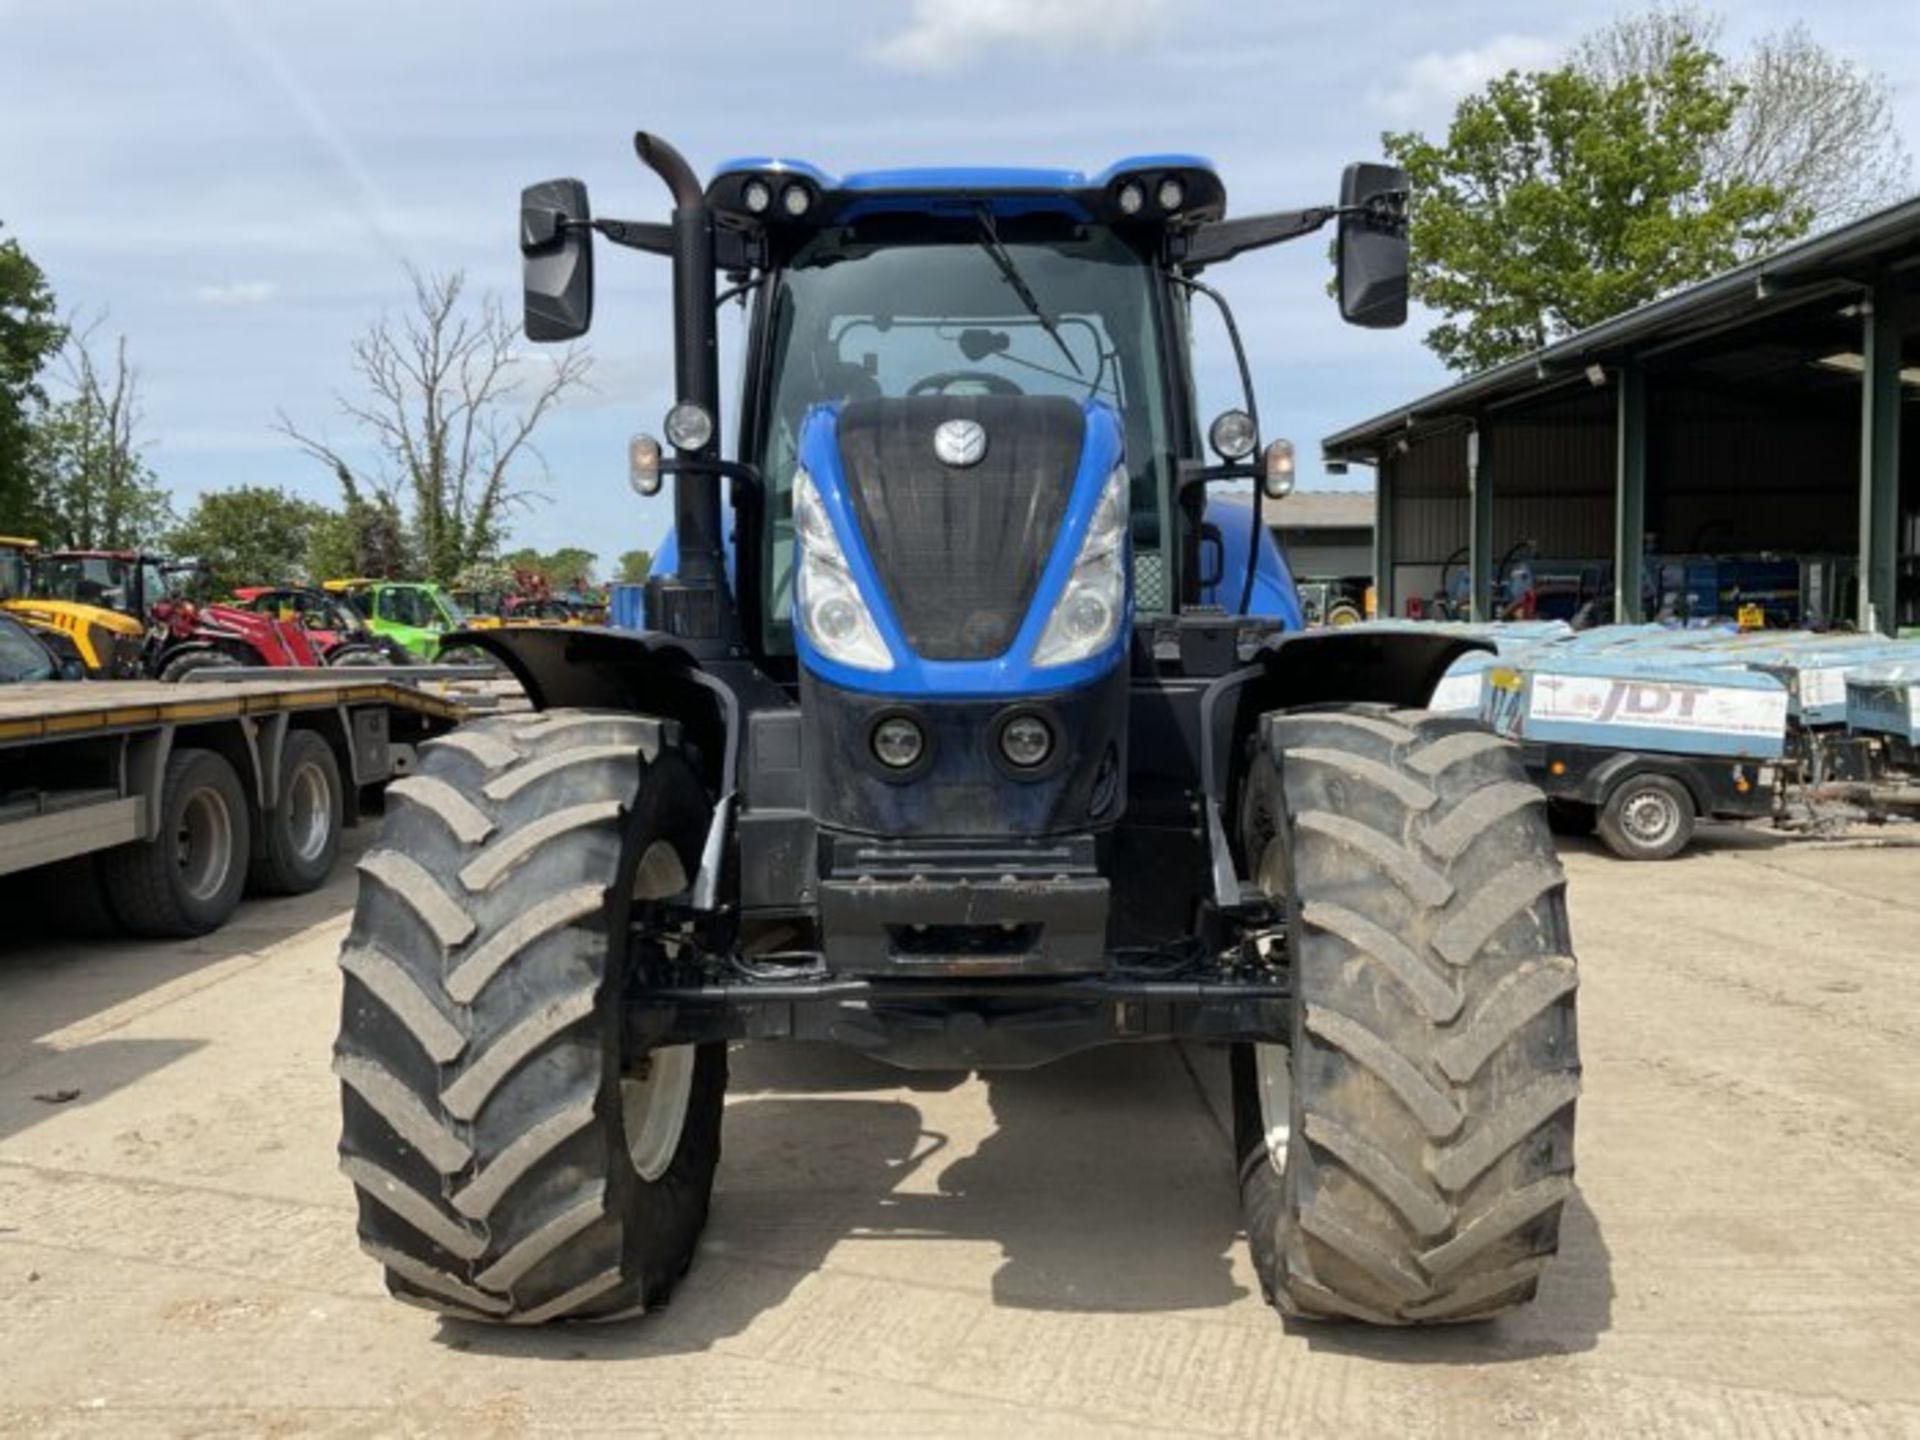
(511,1162)
(1405,1158)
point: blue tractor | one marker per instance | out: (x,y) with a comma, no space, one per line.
(974,753)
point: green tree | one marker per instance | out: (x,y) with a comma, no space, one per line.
(451,402)
(1563,197)
(250,535)
(634,566)
(367,537)
(93,487)
(30,333)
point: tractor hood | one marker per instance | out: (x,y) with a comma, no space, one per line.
(958,522)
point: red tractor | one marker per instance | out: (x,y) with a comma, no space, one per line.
(274,626)
(333,627)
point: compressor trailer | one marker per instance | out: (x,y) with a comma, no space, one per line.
(152,807)
(951,761)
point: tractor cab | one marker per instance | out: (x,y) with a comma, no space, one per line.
(1050,308)
(100,600)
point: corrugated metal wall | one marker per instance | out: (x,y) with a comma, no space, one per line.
(1729,474)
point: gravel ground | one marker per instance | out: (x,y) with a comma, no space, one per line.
(1053,1252)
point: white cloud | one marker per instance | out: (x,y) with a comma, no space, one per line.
(949,34)
(237,292)
(1430,85)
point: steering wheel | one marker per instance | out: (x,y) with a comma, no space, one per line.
(992,383)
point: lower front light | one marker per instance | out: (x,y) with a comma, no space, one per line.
(898,743)
(1026,741)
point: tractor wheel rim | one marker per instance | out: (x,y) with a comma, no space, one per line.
(654,1099)
(653,1105)
(204,844)
(1650,817)
(1273,1069)
(309,813)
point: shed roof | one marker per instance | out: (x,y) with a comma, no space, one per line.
(1847,254)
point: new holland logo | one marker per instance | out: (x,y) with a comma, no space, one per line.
(960,443)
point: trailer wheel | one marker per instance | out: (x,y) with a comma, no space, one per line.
(181,666)
(1647,817)
(187,880)
(1404,1159)
(512,1161)
(296,842)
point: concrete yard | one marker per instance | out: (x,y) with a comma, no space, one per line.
(1045,1253)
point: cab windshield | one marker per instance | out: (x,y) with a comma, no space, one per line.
(108,581)
(899,305)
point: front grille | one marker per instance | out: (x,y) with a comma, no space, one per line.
(960,551)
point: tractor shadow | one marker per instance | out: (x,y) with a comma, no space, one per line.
(1103,1184)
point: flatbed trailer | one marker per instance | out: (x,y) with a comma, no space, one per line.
(152,807)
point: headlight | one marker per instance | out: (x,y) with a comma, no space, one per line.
(1088,612)
(828,603)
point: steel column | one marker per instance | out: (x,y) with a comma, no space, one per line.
(1629,493)
(1385,604)
(1480,523)
(1881,326)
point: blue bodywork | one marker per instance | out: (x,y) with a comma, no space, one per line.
(961,179)
(1010,675)
(1274,593)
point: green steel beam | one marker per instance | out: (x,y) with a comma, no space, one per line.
(1383,537)
(1882,325)
(1480,522)
(1629,493)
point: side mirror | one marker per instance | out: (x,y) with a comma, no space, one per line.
(556,260)
(1373,246)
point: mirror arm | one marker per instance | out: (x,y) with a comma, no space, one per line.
(1224,239)
(634,234)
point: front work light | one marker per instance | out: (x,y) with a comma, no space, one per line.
(1132,198)
(1232,435)
(1088,612)
(826,600)
(689,426)
(756,196)
(1170,194)
(796,200)
(643,465)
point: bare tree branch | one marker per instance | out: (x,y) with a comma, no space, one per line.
(450,411)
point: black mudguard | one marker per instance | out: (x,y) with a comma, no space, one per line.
(1396,665)
(599,668)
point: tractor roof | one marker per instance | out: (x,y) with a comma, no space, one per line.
(1203,196)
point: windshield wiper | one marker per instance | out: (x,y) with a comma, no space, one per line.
(1009,272)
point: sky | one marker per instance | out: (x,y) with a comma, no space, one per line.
(238,185)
